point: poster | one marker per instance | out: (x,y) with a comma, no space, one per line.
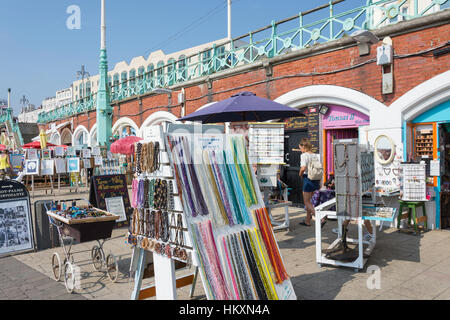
(86,153)
(73,165)
(60,165)
(115,205)
(96,151)
(15,218)
(32,154)
(71,151)
(98,161)
(32,167)
(46,154)
(16,161)
(47,167)
(59,151)
(87,163)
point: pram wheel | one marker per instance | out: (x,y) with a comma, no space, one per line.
(112,267)
(56,266)
(69,277)
(97,256)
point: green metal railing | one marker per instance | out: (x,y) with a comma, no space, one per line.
(278,38)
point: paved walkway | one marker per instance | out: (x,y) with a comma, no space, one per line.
(412,267)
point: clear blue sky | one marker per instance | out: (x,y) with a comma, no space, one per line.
(40,55)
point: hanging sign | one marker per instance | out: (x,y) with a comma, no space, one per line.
(16,232)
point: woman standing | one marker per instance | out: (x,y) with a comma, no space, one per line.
(309,186)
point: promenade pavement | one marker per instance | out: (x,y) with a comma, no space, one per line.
(412,267)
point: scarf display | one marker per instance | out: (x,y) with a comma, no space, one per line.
(231,232)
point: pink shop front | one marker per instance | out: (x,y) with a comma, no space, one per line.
(339,123)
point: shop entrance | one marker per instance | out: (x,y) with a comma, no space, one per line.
(292,167)
(444,148)
(331,135)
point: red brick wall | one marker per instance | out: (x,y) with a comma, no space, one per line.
(408,73)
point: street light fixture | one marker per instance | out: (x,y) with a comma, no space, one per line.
(364,39)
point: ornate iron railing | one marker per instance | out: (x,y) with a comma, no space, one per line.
(278,38)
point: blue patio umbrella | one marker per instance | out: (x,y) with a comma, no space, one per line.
(244,106)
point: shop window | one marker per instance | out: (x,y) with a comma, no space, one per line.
(424,146)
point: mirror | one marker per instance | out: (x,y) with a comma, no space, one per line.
(384,149)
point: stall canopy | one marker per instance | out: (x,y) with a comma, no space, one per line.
(244,106)
(125,145)
(36,145)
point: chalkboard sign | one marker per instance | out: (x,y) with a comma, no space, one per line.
(16,232)
(313,129)
(109,186)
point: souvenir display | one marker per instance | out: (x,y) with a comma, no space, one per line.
(413,187)
(46,154)
(60,165)
(59,151)
(73,165)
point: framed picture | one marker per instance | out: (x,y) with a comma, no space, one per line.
(47,167)
(115,205)
(71,151)
(73,165)
(87,163)
(32,167)
(32,154)
(59,152)
(15,226)
(96,151)
(98,161)
(46,154)
(17,161)
(86,153)
(60,165)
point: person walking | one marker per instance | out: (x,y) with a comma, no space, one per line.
(310,172)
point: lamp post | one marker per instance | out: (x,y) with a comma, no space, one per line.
(104,110)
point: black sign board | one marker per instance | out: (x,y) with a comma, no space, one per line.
(16,230)
(313,129)
(110,186)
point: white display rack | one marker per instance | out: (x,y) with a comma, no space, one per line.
(413,185)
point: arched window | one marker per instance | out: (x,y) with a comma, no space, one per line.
(123,79)
(88,90)
(141,72)
(109,82)
(81,91)
(132,77)
(181,66)
(171,71)
(150,76)
(206,57)
(160,74)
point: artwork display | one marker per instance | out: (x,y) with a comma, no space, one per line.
(60,165)
(32,154)
(98,161)
(87,163)
(46,154)
(96,151)
(86,153)
(73,165)
(47,167)
(71,151)
(59,151)
(32,167)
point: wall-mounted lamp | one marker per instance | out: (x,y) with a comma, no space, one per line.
(364,39)
(323,109)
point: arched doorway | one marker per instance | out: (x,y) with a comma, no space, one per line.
(80,137)
(124,127)
(66,137)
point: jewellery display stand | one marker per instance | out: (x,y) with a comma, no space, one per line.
(218,234)
(355,177)
(165,280)
(266,149)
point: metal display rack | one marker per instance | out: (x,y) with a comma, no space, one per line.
(355,177)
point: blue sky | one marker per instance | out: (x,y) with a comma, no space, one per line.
(40,55)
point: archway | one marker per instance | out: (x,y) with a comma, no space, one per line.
(66,137)
(157,118)
(125,127)
(80,137)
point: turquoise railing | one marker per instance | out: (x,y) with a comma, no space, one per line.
(278,38)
